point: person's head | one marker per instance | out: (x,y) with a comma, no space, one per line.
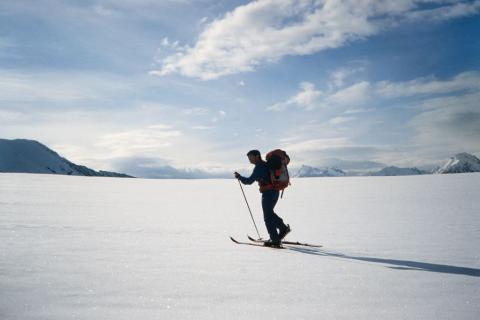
(254,156)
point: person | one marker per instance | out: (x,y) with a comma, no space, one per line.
(276,228)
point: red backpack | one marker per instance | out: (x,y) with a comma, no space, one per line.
(277,161)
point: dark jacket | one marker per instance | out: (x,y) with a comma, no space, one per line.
(260,173)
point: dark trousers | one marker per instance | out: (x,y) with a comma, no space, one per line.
(272,220)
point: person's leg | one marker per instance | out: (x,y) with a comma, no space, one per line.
(283,229)
(271,219)
(279,224)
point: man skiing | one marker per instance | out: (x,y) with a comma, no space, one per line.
(261,173)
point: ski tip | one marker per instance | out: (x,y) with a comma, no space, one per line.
(231,238)
(253,239)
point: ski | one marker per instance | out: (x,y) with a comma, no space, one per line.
(255,244)
(292,243)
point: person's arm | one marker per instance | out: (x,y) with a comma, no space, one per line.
(250,179)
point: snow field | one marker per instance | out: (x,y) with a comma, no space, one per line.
(109,248)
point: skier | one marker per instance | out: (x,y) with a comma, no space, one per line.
(261,173)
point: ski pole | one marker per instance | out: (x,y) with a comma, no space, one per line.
(251,215)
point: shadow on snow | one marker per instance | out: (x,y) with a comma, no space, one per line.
(396,264)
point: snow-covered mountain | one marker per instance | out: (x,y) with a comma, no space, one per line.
(396,171)
(307,171)
(29,156)
(461,163)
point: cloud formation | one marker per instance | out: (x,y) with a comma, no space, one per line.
(451,123)
(157,168)
(65,87)
(264,31)
(429,86)
(146,141)
(306,98)
(442,117)
(362,92)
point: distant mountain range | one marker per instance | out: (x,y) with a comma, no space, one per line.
(307,171)
(29,156)
(396,171)
(460,163)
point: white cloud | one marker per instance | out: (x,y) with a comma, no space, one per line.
(455,10)
(439,117)
(306,98)
(339,77)
(104,11)
(265,31)
(59,86)
(359,94)
(219,115)
(146,142)
(314,145)
(356,94)
(196,111)
(54,107)
(451,124)
(309,98)
(202,127)
(340,120)
(358,110)
(315,151)
(166,43)
(429,86)
(9,115)
(106,135)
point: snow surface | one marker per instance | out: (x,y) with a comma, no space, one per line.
(109,248)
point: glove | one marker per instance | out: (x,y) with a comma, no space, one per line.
(237,175)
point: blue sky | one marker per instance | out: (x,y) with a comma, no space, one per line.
(183,87)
